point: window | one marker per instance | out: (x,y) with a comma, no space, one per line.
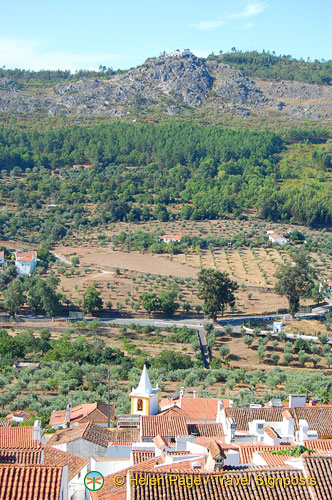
(140,405)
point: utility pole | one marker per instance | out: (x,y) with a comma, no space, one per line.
(109,396)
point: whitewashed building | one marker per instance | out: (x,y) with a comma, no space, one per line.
(25,262)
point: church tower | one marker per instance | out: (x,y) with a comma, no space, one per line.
(144,399)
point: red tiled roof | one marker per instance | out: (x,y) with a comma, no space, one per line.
(159,441)
(25,414)
(272,459)
(166,426)
(14,456)
(110,491)
(271,432)
(176,237)
(30,482)
(157,485)
(89,431)
(207,430)
(247,449)
(142,455)
(124,437)
(90,412)
(26,256)
(216,449)
(320,467)
(318,444)
(18,437)
(318,418)
(200,409)
(52,456)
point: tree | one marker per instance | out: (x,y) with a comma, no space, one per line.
(170,360)
(288,357)
(275,358)
(224,351)
(150,302)
(41,296)
(167,302)
(75,261)
(319,292)
(92,299)
(261,352)
(217,290)
(295,281)
(14,297)
(248,340)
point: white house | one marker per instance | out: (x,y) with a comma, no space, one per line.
(277,238)
(182,53)
(25,262)
(171,238)
(328,284)
(2,258)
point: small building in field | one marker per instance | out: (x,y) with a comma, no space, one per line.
(171,238)
(277,238)
(329,288)
(25,262)
(2,258)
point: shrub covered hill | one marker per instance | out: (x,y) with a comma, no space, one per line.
(235,83)
(168,171)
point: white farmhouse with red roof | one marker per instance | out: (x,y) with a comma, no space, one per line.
(25,262)
(171,238)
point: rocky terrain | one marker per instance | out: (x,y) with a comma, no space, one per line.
(172,84)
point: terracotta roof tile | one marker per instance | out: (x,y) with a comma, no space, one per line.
(157,485)
(142,455)
(206,430)
(90,412)
(159,441)
(318,418)
(320,467)
(89,431)
(18,437)
(52,456)
(124,437)
(271,432)
(14,456)
(30,482)
(110,491)
(166,426)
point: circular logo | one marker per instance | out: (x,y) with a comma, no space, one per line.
(94,481)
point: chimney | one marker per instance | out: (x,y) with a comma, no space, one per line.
(181,395)
(37,431)
(297,401)
(194,394)
(68,414)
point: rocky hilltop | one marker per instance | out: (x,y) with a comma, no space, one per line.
(172,84)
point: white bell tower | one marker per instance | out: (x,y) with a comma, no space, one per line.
(144,399)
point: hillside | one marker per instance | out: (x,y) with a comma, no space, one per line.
(178,86)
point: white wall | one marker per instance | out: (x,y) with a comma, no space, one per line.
(83,448)
(76,484)
(116,452)
(109,467)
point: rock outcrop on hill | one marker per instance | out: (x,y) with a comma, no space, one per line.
(172,84)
